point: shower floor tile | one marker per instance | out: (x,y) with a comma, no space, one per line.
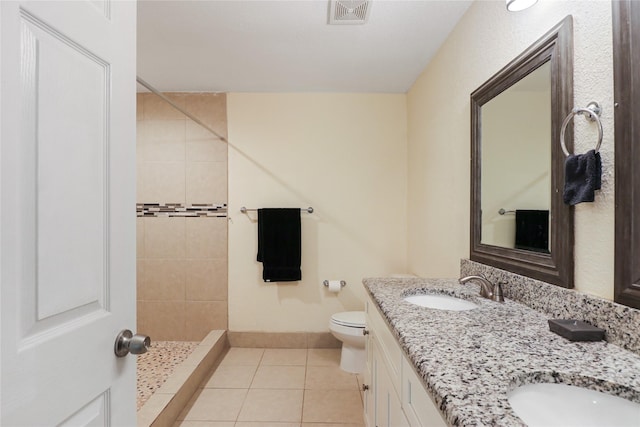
(155,366)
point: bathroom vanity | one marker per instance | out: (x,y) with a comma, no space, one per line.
(433,367)
(394,394)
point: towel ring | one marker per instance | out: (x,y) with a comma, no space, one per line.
(592,113)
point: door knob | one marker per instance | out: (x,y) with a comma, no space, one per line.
(365,332)
(127,343)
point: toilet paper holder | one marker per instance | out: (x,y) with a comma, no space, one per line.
(342,283)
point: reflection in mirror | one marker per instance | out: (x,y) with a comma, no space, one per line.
(519,222)
(516,164)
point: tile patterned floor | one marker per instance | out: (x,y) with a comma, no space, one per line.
(155,366)
(254,387)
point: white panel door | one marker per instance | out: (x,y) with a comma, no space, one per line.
(67,218)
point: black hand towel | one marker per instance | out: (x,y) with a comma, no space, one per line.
(532,230)
(582,176)
(279,244)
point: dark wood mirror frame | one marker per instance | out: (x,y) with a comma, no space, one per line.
(626,66)
(555,47)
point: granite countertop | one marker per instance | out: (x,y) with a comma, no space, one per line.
(469,360)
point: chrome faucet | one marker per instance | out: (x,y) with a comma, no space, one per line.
(487,289)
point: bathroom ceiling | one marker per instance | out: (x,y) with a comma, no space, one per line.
(287,46)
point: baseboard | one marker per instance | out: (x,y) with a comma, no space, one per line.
(283,339)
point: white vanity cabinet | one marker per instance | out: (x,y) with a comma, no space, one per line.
(395,396)
(383,407)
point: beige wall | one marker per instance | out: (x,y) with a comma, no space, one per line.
(343,154)
(486,39)
(182,262)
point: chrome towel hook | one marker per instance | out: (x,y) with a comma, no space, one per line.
(592,113)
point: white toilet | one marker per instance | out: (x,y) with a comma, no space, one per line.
(347,327)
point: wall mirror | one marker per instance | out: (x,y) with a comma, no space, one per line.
(518,220)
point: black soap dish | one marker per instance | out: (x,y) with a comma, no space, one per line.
(576,330)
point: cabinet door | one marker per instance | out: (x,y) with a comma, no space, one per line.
(383,386)
(388,409)
(388,347)
(397,417)
(416,402)
(369,380)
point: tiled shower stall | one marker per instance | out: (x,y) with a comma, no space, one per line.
(182,217)
(181,229)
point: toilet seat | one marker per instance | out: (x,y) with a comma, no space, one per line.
(351,319)
(348,328)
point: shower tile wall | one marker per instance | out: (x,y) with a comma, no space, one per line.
(182,261)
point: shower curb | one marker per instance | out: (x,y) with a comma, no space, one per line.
(164,406)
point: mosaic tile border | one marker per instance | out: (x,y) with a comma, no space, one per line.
(181,210)
(620,322)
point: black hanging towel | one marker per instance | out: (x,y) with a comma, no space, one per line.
(279,244)
(582,177)
(532,230)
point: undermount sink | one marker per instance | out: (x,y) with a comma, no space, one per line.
(563,405)
(441,302)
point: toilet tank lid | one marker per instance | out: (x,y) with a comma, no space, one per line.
(350,318)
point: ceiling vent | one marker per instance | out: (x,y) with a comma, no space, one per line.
(349,12)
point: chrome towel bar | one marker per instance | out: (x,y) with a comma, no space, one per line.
(245,210)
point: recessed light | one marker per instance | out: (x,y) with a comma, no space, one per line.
(518,5)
